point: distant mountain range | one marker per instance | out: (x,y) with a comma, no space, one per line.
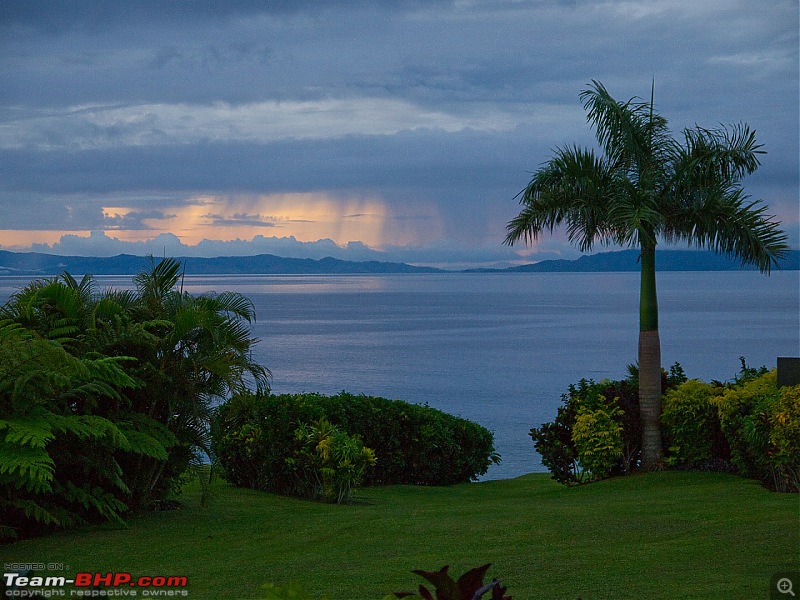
(36,264)
(628,260)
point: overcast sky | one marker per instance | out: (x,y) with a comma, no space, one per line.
(382,130)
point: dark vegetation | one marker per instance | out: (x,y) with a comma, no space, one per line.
(106,397)
(260,441)
(108,401)
(749,426)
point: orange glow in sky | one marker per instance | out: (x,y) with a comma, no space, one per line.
(306,216)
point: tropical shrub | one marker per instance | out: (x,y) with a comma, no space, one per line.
(328,463)
(116,388)
(785,439)
(608,437)
(255,434)
(691,427)
(597,435)
(585,442)
(760,423)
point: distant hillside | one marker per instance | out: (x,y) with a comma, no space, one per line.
(35,264)
(666,260)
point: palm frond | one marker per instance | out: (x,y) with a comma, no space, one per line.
(572,188)
(713,157)
(728,222)
(235,304)
(631,134)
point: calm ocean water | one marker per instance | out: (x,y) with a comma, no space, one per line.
(500,349)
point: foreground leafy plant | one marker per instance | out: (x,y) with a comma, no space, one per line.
(105,397)
(330,462)
(469,586)
(57,465)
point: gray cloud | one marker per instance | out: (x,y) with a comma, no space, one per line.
(240,219)
(444,105)
(134,220)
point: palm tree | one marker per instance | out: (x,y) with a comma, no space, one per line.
(199,352)
(645,187)
(186,352)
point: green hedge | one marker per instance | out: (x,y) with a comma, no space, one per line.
(692,435)
(751,425)
(596,433)
(255,434)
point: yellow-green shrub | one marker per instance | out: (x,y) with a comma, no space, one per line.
(690,426)
(597,434)
(329,463)
(759,422)
(784,437)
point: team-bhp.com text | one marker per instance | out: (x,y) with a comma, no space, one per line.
(101,584)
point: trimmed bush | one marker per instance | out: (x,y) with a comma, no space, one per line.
(255,434)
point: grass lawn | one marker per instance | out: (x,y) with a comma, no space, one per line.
(660,535)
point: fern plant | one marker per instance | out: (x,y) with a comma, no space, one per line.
(57,465)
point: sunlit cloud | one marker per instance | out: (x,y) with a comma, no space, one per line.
(23,240)
(306,217)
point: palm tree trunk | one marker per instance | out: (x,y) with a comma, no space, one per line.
(649,362)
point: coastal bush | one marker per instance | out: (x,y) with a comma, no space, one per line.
(105,397)
(609,431)
(748,426)
(785,439)
(761,424)
(597,434)
(691,427)
(255,434)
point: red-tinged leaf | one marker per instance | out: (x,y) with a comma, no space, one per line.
(445,587)
(471,581)
(499,591)
(424,593)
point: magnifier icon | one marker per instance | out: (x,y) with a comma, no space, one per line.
(785,586)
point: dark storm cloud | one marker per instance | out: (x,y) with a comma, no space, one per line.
(134,220)
(57,16)
(421,159)
(445,104)
(214,220)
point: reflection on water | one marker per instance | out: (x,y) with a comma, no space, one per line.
(499,349)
